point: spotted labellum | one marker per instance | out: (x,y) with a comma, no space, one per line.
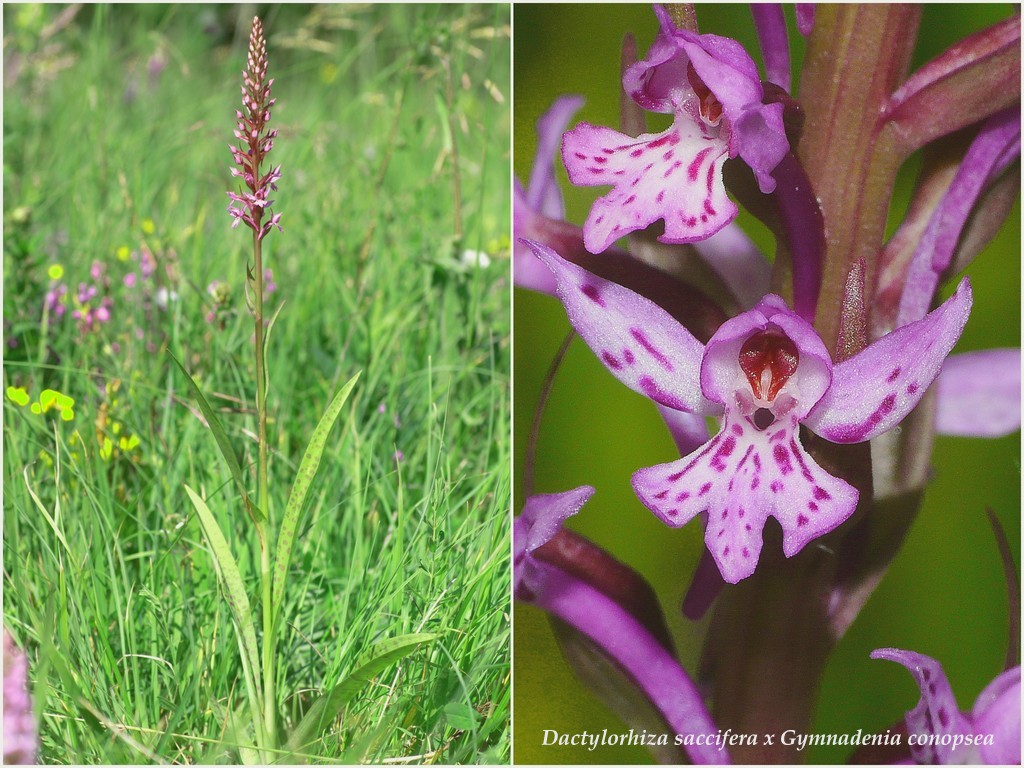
(764,372)
(710,86)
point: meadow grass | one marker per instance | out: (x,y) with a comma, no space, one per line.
(116,125)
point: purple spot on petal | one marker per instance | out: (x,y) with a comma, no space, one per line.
(653,391)
(741,513)
(601,160)
(694,168)
(725,552)
(944,717)
(887,405)
(683,496)
(781,456)
(754,483)
(912,388)
(636,152)
(610,360)
(746,552)
(661,494)
(660,142)
(580,155)
(675,477)
(812,506)
(628,355)
(927,674)
(737,429)
(704,489)
(629,200)
(776,486)
(708,208)
(644,342)
(821,494)
(747,526)
(596,170)
(668,155)
(801,520)
(592,293)
(599,219)
(673,513)
(894,375)
(725,513)
(703,218)
(660,197)
(932,688)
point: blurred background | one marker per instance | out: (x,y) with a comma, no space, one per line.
(944,594)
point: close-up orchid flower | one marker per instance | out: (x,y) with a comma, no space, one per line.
(800,240)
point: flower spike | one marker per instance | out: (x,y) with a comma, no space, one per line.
(256,143)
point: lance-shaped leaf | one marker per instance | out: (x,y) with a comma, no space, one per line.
(238,600)
(223,443)
(975,78)
(300,488)
(327,707)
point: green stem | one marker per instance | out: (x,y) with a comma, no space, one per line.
(262,500)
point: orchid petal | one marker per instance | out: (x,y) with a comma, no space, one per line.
(936,714)
(638,341)
(527,271)
(542,192)
(771,34)
(876,388)
(675,176)
(740,477)
(689,430)
(979,394)
(720,368)
(997,712)
(996,146)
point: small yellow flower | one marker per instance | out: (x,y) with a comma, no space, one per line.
(55,272)
(148,227)
(18,395)
(124,252)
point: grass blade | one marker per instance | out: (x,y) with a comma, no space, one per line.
(327,707)
(222,442)
(303,480)
(238,601)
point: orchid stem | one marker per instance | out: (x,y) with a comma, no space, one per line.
(262,499)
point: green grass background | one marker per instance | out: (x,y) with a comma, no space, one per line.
(944,595)
(131,648)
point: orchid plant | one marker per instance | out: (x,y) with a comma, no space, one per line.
(824,370)
(261,738)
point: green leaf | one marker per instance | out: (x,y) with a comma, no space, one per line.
(223,443)
(460,716)
(303,479)
(327,707)
(238,601)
